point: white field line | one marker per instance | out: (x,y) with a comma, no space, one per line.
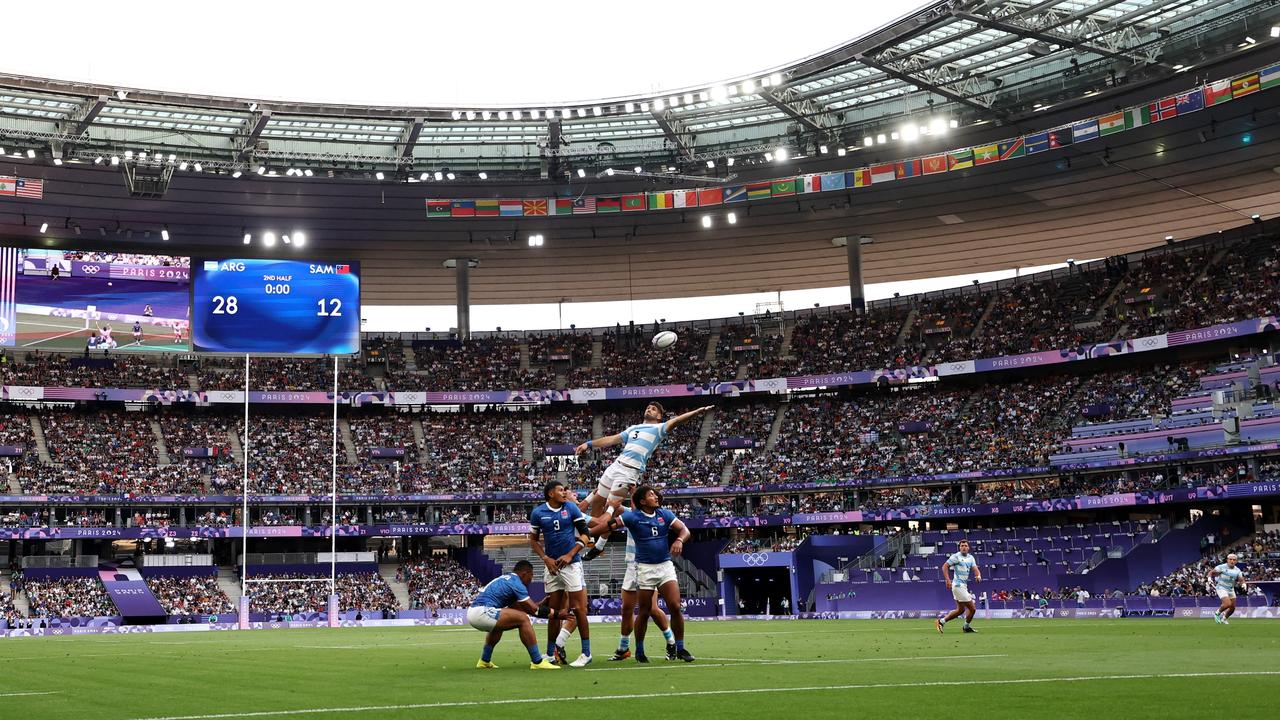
(739,662)
(705,693)
(27,694)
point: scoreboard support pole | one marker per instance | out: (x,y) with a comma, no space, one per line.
(244,506)
(333,513)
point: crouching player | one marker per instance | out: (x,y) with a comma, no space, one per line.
(649,525)
(503,605)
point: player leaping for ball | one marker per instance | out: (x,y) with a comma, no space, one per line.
(623,475)
(1226,578)
(503,605)
(956,572)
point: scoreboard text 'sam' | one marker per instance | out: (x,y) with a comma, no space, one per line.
(275,306)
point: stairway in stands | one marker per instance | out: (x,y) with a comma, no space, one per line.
(401,590)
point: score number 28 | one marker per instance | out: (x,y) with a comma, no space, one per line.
(230,305)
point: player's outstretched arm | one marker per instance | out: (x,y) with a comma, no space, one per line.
(605,524)
(600,442)
(682,419)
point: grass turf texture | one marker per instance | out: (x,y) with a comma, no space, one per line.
(1023,669)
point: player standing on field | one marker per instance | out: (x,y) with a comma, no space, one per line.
(1226,578)
(623,475)
(557,531)
(956,572)
(650,525)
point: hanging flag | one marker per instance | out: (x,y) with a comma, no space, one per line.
(1037,143)
(1083,131)
(510,208)
(9,186)
(1270,77)
(809,184)
(28,188)
(662,200)
(984,154)
(960,159)
(462,208)
(833,181)
(585,205)
(1189,102)
(908,168)
(710,196)
(882,173)
(934,164)
(1246,85)
(1060,138)
(632,203)
(686,198)
(486,208)
(784,187)
(1217,93)
(735,194)
(609,204)
(561,206)
(435,208)
(1137,117)
(1012,149)
(1163,109)
(861,177)
(533,208)
(1111,124)
(758,191)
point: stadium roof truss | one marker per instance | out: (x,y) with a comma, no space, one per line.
(961,60)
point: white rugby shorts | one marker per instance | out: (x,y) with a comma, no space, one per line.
(630,583)
(1224,593)
(961,593)
(653,576)
(482,618)
(618,479)
(568,579)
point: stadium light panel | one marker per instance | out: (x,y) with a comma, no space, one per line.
(172,157)
(247,238)
(629,107)
(483,175)
(456,114)
(704,96)
(582,173)
(582,112)
(565,113)
(706,221)
(423,177)
(164,233)
(471,114)
(262,169)
(658,105)
(638,170)
(711,163)
(748,87)
(768,157)
(895,135)
(486,115)
(44,227)
(182,165)
(909,133)
(1249,40)
(597,111)
(439,175)
(515,114)
(938,126)
(644,107)
(732,218)
(534,114)
(954,124)
(450,175)
(688,98)
(308,172)
(96,161)
(719,93)
(822,149)
(57,161)
(128,154)
(880,139)
(841,152)
(729,162)
(299,238)
(781,154)
(269,239)
(142,156)
(200,168)
(673,101)
(608,171)
(236,174)
(31,153)
(776,79)
(379,175)
(286,239)
(765,82)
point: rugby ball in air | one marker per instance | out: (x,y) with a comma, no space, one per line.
(664,339)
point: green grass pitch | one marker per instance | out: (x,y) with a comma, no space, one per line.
(805,669)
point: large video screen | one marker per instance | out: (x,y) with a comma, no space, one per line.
(246,305)
(69,300)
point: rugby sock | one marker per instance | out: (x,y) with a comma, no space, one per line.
(602,541)
(534,653)
(586,647)
(639,647)
(966,623)
(562,637)
(942,620)
(679,645)
(624,643)
(487,654)
(669,635)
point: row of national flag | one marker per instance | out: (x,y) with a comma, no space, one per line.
(21,187)
(1209,95)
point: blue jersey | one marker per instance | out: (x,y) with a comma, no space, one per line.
(638,443)
(1228,576)
(501,592)
(556,525)
(961,566)
(650,534)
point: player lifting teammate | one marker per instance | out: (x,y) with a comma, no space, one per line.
(503,605)
(1226,578)
(650,525)
(557,531)
(623,474)
(956,573)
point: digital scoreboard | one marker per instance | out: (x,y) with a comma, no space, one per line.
(275,306)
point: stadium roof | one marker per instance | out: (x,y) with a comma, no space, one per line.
(968,61)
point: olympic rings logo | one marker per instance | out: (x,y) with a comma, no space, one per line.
(90,269)
(756,559)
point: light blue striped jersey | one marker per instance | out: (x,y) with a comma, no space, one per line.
(961,566)
(1228,576)
(638,443)
(631,548)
